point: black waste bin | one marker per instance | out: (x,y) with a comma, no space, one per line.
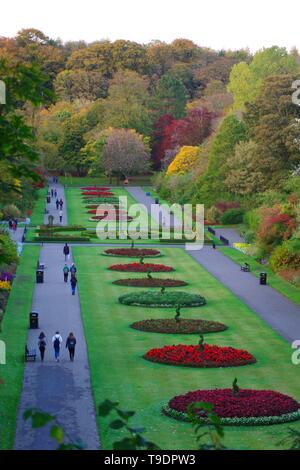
(39,276)
(263,279)
(48,199)
(33,320)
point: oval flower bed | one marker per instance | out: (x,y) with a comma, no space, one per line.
(191,356)
(97,193)
(247,407)
(150,282)
(141,268)
(184,326)
(162,299)
(132,252)
(95,188)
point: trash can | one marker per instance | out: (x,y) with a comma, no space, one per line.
(39,276)
(33,320)
(48,199)
(263,279)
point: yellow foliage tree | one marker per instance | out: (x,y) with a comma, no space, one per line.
(185,160)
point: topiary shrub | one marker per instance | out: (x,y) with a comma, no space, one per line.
(232,216)
(162,299)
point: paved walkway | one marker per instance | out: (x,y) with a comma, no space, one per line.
(231,234)
(280,313)
(62,389)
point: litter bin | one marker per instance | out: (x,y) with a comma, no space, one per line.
(39,276)
(48,199)
(263,279)
(33,320)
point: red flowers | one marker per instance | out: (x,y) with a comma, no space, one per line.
(132,252)
(95,188)
(247,403)
(141,268)
(97,194)
(191,356)
(109,213)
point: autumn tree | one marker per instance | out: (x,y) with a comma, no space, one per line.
(184,161)
(170,97)
(191,130)
(125,153)
(71,85)
(159,142)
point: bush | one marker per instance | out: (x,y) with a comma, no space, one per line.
(286,256)
(252,219)
(10,211)
(232,216)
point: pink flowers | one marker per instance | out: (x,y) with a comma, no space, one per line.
(247,403)
(191,356)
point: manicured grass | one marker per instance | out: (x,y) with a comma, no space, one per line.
(118,371)
(37,216)
(77,182)
(285,288)
(14,334)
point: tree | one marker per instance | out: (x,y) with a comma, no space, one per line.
(246,80)
(71,143)
(184,161)
(125,153)
(170,97)
(192,130)
(159,142)
(127,103)
(73,85)
(244,176)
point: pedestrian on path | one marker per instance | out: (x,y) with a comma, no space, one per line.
(56,341)
(66,251)
(61,203)
(66,272)
(73,284)
(52,193)
(42,345)
(73,270)
(60,215)
(70,344)
(57,204)
(55,193)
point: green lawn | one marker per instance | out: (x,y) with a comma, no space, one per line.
(118,371)
(285,288)
(14,333)
(37,217)
(77,182)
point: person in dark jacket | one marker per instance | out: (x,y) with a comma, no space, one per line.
(70,344)
(73,284)
(57,204)
(66,272)
(42,345)
(73,270)
(66,251)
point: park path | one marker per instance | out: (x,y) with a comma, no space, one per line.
(278,311)
(62,389)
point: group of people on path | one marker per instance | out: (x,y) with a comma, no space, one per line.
(72,270)
(56,342)
(59,203)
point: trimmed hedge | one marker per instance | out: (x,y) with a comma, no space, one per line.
(162,299)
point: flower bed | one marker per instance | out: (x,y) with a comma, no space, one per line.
(5,285)
(112,218)
(141,268)
(101,200)
(162,299)
(247,407)
(109,212)
(132,252)
(95,206)
(191,356)
(95,188)
(184,326)
(97,193)
(150,282)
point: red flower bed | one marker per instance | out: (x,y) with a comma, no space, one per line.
(97,194)
(110,213)
(132,252)
(246,403)
(191,356)
(112,218)
(95,188)
(141,268)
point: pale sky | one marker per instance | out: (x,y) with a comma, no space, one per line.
(219,24)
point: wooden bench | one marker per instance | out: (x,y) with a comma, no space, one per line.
(30,354)
(245,268)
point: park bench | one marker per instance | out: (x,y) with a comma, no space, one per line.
(30,354)
(245,268)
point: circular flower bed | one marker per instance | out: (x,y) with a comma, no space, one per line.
(191,356)
(184,326)
(141,268)
(247,407)
(150,282)
(162,299)
(132,252)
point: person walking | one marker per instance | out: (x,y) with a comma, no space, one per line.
(66,272)
(66,251)
(73,270)
(61,203)
(42,345)
(52,193)
(56,341)
(60,215)
(73,284)
(70,344)
(55,193)
(57,204)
